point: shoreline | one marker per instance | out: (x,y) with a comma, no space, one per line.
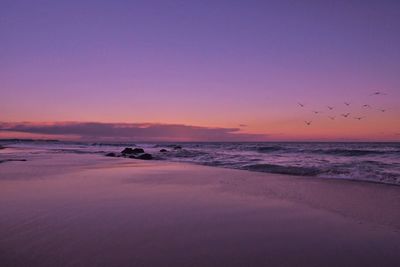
(166,159)
(287,179)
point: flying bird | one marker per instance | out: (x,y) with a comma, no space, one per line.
(346,115)
(330,108)
(332,118)
(378,93)
(316,112)
(347,103)
(301,105)
(366,106)
(308,123)
(382,110)
(358,118)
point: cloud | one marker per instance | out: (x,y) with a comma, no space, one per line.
(130,131)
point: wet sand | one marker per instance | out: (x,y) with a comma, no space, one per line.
(89,210)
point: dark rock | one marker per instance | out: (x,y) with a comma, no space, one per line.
(177,147)
(2,147)
(129,150)
(163,150)
(138,150)
(111,154)
(145,156)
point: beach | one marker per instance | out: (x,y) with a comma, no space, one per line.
(199,133)
(64,209)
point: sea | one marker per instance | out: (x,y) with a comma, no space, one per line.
(367,161)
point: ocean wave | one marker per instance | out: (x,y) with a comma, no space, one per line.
(354,161)
(349,152)
(357,175)
(79,151)
(292,170)
(268,149)
(114,144)
(185,153)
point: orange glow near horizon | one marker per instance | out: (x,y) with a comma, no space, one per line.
(293,129)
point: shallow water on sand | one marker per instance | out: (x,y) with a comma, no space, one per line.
(62,209)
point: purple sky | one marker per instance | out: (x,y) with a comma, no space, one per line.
(204,63)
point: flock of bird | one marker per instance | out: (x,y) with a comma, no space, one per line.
(344,115)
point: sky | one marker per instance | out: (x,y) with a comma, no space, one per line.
(200,70)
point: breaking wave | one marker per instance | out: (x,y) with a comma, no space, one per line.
(292,170)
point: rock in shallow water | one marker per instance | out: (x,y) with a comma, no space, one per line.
(129,150)
(136,153)
(163,150)
(143,156)
(111,154)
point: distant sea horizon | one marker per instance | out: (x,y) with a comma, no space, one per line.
(165,141)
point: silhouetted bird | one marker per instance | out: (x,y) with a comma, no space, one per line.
(316,112)
(347,103)
(330,107)
(346,115)
(301,105)
(332,118)
(366,106)
(382,110)
(378,93)
(358,118)
(308,123)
